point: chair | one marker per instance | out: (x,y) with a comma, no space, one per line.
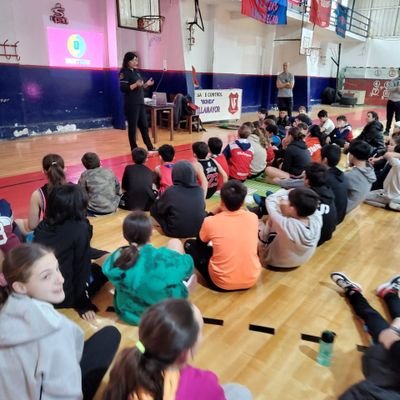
(183,116)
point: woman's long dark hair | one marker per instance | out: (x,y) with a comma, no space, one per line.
(166,330)
(137,230)
(53,166)
(315,131)
(129,56)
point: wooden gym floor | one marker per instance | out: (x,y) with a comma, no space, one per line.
(279,366)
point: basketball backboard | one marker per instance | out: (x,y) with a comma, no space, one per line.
(141,15)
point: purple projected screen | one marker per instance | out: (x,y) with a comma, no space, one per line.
(75,48)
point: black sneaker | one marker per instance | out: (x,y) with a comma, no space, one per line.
(344,282)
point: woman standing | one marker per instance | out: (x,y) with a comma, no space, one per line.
(133,85)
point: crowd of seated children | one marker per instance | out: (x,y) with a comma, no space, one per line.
(163,172)
(361,176)
(180,210)
(389,195)
(157,367)
(337,181)
(101,186)
(142,274)
(326,124)
(137,183)
(372,133)
(342,134)
(380,363)
(208,171)
(225,252)
(259,145)
(314,141)
(43,354)
(67,231)
(215,147)
(295,159)
(316,178)
(53,169)
(239,155)
(291,233)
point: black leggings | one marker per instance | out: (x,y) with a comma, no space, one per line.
(372,319)
(98,352)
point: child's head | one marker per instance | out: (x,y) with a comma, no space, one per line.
(302,110)
(137,230)
(271,118)
(90,160)
(322,115)
(301,203)
(283,113)
(245,131)
(66,202)
(301,118)
(260,132)
(360,150)
(166,152)
(215,145)
(32,270)
(139,155)
(315,131)
(316,175)
(169,332)
(294,133)
(302,127)
(200,150)
(330,155)
(341,121)
(271,130)
(233,194)
(53,167)
(396,128)
(262,113)
(372,116)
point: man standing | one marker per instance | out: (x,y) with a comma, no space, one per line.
(393,103)
(285,84)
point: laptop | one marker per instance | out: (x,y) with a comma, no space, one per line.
(161,98)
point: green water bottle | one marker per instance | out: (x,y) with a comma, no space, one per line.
(324,356)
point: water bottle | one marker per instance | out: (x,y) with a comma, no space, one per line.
(324,356)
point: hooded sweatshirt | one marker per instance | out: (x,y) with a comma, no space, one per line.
(296,158)
(327,209)
(239,155)
(337,181)
(360,180)
(181,209)
(40,351)
(259,161)
(287,242)
(373,135)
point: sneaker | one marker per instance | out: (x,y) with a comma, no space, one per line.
(344,282)
(257,199)
(391,286)
(268,193)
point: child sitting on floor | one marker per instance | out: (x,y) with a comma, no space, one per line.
(163,171)
(326,124)
(142,274)
(101,186)
(342,134)
(291,234)
(215,146)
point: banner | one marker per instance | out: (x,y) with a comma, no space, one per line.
(271,12)
(218,105)
(341,20)
(376,90)
(320,12)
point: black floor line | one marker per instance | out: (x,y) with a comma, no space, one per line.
(263,329)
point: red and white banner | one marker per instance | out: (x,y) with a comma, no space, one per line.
(376,90)
(320,12)
(218,105)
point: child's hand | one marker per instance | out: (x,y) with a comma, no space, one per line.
(89,315)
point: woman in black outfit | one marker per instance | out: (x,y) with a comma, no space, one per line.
(133,85)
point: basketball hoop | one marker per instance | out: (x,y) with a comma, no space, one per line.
(153,23)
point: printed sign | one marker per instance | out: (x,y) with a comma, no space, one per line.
(376,90)
(218,105)
(271,12)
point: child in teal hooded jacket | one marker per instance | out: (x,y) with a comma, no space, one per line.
(143,274)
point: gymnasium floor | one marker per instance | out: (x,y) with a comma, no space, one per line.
(291,303)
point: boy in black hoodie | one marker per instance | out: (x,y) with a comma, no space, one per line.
(337,181)
(316,179)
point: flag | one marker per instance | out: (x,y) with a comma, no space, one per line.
(320,12)
(272,12)
(341,20)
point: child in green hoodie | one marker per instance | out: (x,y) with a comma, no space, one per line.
(142,274)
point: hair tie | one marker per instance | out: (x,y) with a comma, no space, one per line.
(134,244)
(3,282)
(140,346)
(54,163)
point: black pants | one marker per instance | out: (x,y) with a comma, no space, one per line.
(98,352)
(285,103)
(392,108)
(372,319)
(137,118)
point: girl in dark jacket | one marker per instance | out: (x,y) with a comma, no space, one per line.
(373,134)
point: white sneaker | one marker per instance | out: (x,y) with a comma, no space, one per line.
(344,282)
